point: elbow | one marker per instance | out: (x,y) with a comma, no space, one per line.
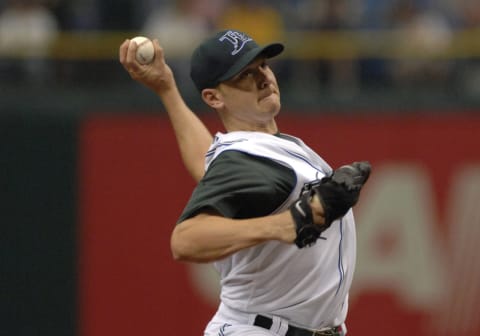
(177,247)
(188,243)
(175,253)
(178,255)
(181,246)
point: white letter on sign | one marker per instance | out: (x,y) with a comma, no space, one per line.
(397,245)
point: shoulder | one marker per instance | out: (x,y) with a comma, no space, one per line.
(246,167)
(241,185)
(262,144)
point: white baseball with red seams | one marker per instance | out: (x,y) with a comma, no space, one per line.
(145,52)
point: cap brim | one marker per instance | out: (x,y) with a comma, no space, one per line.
(270,50)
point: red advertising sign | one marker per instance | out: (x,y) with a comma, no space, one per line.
(417,223)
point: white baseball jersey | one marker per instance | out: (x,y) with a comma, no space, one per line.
(307,287)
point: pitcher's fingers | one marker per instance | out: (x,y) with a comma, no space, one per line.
(122,51)
(159,54)
(131,52)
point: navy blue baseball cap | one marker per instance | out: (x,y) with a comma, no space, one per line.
(224,55)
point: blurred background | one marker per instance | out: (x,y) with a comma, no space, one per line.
(92,183)
(394,54)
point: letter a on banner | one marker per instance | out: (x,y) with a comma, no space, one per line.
(397,245)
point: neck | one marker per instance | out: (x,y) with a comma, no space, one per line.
(233,123)
(269,127)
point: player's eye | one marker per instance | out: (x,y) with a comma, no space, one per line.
(246,73)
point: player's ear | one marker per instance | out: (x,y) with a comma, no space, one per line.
(213,98)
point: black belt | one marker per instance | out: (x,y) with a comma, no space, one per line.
(266,322)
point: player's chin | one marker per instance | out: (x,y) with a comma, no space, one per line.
(271,110)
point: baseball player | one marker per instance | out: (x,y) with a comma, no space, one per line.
(273,217)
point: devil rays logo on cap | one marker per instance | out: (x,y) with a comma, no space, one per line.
(237,39)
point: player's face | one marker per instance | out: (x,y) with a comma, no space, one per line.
(252,94)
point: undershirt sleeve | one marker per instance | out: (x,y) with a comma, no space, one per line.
(240,185)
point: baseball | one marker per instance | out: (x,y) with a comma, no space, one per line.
(145,52)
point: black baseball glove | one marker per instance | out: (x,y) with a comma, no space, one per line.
(337,192)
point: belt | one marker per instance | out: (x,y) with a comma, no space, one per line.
(266,322)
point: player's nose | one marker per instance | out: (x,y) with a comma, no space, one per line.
(263,79)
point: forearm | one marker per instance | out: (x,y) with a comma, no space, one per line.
(206,238)
(193,137)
